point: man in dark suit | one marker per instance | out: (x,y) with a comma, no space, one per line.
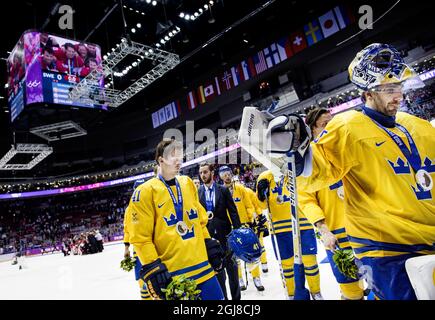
(222,212)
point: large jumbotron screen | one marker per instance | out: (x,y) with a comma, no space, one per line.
(43,67)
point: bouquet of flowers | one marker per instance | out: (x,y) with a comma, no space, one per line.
(182,288)
(345,261)
(128,264)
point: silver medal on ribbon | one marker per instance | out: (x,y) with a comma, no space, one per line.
(424,180)
(181,228)
(210,215)
(279,199)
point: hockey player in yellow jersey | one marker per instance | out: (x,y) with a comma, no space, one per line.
(144,294)
(167,227)
(275,197)
(261,226)
(386,161)
(245,209)
(325,210)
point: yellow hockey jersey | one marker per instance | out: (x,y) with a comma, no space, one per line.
(254,201)
(243,203)
(386,213)
(326,204)
(280,213)
(126,233)
(152,229)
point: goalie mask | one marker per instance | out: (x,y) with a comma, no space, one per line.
(380,64)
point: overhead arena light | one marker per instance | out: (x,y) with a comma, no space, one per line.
(42,150)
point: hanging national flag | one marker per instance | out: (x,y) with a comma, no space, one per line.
(248,69)
(284,48)
(191,100)
(236,73)
(226,80)
(169,112)
(313,33)
(201,97)
(155,117)
(329,24)
(344,16)
(162,116)
(271,55)
(177,108)
(209,92)
(260,62)
(217,86)
(298,41)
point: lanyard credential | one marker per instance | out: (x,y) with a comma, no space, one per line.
(422,177)
(178,205)
(209,198)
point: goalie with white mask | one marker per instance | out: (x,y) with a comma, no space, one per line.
(386,160)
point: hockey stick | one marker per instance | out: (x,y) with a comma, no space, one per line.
(252,138)
(301,293)
(276,248)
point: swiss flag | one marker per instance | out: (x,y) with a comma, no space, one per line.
(298,42)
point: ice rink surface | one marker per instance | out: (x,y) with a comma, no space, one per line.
(99,277)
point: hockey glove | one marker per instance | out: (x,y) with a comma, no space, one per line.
(156,277)
(288,135)
(215,254)
(261,220)
(262,189)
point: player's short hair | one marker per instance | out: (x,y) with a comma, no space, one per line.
(207,164)
(314,115)
(166,145)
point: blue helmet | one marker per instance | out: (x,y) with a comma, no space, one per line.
(223,169)
(137,183)
(245,245)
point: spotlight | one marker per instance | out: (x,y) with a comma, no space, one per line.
(158,45)
(154,3)
(205,6)
(104,57)
(181,15)
(211,2)
(187,17)
(148,1)
(171,34)
(133,30)
(139,25)
(162,41)
(124,72)
(134,64)
(196,14)
(200,10)
(150,50)
(166,38)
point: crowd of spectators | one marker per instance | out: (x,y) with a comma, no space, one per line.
(50,221)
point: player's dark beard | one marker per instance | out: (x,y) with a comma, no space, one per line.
(207,180)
